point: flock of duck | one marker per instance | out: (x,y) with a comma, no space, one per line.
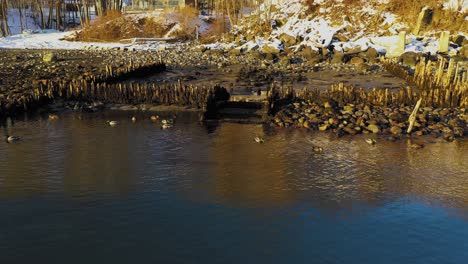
(169,123)
(165,123)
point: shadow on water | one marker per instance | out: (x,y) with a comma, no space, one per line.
(193,190)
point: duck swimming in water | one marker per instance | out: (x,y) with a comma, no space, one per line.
(154,118)
(317,149)
(371,141)
(134,119)
(259,140)
(112,123)
(53,117)
(11,139)
(416,146)
(166,126)
(167,121)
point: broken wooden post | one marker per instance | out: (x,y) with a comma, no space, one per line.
(400,48)
(444,41)
(424,19)
(412,117)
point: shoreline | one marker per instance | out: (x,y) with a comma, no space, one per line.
(255,74)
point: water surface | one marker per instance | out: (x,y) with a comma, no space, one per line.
(79,191)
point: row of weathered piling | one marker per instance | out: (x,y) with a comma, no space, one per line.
(440,84)
(342,95)
(41,92)
(120,93)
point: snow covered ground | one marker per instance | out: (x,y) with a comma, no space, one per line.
(46,39)
(319,29)
(52,39)
(313,31)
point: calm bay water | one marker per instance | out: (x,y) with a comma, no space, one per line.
(79,191)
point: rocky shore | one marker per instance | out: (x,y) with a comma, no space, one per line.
(92,80)
(391,122)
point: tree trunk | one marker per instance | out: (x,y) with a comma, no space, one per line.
(41,13)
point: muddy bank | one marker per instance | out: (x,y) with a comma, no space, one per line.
(33,78)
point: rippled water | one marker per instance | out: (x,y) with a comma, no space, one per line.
(79,191)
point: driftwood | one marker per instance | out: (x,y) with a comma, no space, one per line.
(412,117)
(132,41)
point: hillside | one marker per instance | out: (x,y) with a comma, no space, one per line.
(295,25)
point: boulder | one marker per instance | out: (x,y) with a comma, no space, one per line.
(338,57)
(354,50)
(268,49)
(410,58)
(350,130)
(370,54)
(235,52)
(396,130)
(49,57)
(287,39)
(308,53)
(373,128)
(459,39)
(464,51)
(356,60)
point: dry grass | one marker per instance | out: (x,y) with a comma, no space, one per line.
(408,11)
(115,26)
(215,33)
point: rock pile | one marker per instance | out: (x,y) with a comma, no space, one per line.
(354,119)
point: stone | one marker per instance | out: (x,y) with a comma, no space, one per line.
(356,60)
(348,109)
(396,130)
(285,61)
(350,131)
(267,49)
(287,39)
(410,59)
(464,51)
(354,50)
(373,128)
(395,45)
(459,39)
(370,54)
(363,68)
(308,53)
(338,57)
(458,131)
(235,52)
(306,124)
(49,57)
(324,127)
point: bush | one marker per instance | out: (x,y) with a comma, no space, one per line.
(114,26)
